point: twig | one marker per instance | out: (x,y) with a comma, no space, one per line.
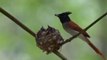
(60,55)
(26,29)
(17,22)
(71,38)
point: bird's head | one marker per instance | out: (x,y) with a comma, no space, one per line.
(63,16)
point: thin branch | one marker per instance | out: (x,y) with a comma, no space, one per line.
(26,29)
(59,55)
(17,21)
(71,38)
(95,21)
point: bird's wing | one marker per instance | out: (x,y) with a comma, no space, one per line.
(74,26)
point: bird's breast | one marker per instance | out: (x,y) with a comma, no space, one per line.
(73,32)
(69,30)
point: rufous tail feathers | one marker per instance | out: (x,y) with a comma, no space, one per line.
(95,49)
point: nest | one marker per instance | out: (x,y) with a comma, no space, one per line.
(49,39)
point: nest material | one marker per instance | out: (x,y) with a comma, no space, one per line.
(49,39)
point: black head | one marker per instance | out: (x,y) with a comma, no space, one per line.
(63,16)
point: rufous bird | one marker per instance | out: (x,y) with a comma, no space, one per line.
(73,29)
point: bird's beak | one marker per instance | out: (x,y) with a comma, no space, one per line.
(56,15)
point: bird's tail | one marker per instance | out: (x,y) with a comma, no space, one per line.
(95,49)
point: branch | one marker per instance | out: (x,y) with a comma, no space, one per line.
(17,22)
(26,29)
(59,55)
(71,38)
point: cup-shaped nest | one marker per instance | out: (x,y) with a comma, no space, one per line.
(49,39)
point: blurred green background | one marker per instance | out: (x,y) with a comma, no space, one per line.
(17,44)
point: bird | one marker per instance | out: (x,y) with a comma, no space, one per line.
(72,28)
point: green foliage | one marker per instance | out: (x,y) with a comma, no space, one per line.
(16,44)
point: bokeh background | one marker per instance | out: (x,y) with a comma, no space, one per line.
(17,44)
